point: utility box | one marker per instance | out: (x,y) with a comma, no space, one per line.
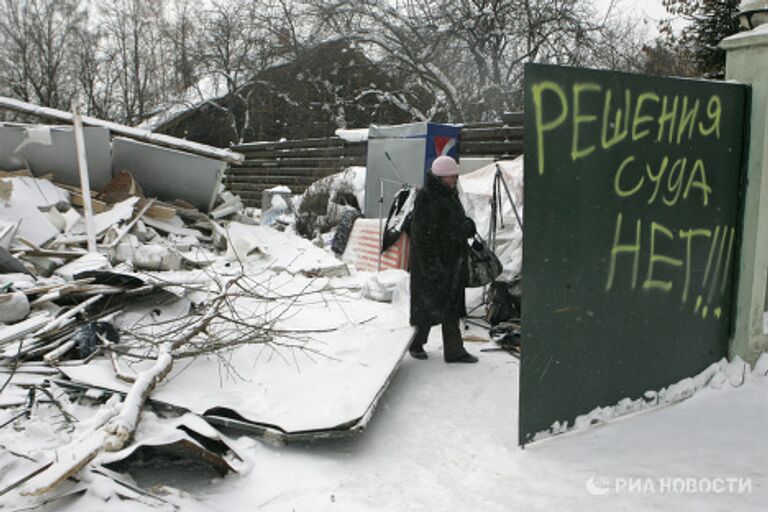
(402,155)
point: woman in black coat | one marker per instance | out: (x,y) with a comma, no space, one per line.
(438,262)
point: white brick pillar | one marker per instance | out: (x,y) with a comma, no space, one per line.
(747,62)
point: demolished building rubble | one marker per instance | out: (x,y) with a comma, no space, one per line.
(188,321)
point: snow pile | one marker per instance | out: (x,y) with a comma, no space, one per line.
(735,374)
(381,286)
(212,286)
(353,135)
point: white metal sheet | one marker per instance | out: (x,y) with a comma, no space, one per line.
(60,156)
(169,174)
(406,167)
(331,385)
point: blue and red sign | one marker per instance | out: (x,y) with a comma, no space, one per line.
(442,140)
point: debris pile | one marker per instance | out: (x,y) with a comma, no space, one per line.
(166,282)
(62,305)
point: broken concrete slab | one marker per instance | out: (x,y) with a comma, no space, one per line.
(170,227)
(38,192)
(280,251)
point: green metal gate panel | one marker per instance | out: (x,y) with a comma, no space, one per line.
(632,218)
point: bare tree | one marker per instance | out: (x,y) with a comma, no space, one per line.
(136,47)
(405,37)
(471,52)
(460,60)
(182,31)
(36,38)
(708,23)
(230,42)
(96,75)
(240,40)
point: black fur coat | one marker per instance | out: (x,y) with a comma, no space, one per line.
(438,255)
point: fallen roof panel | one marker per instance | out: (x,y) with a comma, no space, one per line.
(127,131)
(22,148)
(327,390)
(169,174)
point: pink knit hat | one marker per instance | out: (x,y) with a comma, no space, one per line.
(445,166)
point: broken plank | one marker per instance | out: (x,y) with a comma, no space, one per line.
(77,200)
(39,251)
(52,287)
(20,329)
(26,173)
(68,461)
(61,320)
(31,369)
(161,211)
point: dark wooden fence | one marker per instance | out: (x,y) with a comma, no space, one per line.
(299,163)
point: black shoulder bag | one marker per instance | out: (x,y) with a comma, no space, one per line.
(483,266)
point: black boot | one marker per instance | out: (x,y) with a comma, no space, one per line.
(453,345)
(416,348)
(466,358)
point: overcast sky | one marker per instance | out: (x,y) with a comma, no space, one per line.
(649,11)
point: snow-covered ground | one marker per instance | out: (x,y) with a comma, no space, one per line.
(444,438)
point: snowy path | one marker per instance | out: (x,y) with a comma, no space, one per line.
(444,438)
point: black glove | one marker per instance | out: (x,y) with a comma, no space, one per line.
(467,228)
